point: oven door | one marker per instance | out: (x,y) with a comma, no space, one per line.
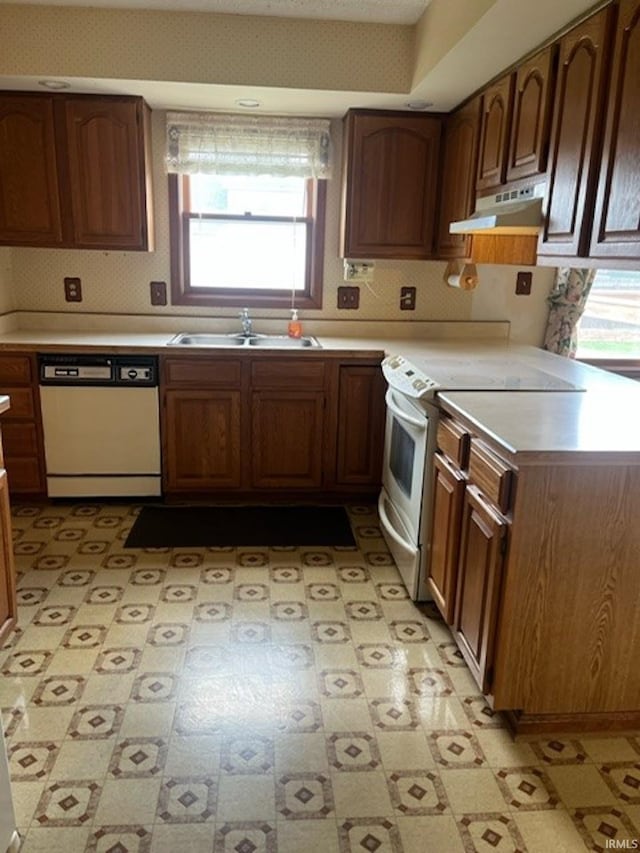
(405,448)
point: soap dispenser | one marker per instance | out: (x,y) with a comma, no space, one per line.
(294,328)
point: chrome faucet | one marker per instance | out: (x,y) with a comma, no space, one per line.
(246,322)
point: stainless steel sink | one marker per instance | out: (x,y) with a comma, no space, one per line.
(205,339)
(283,341)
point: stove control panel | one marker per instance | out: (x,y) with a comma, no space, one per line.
(404,377)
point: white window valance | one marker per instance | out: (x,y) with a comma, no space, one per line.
(222,143)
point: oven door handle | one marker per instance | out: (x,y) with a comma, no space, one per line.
(390,529)
(402,416)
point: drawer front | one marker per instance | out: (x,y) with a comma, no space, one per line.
(210,372)
(288,374)
(24,475)
(20,439)
(491,475)
(453,440)
(22,403)
(15,370)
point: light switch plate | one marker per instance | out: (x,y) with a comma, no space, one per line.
(523,284)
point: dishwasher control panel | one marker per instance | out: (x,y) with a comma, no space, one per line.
(97,370)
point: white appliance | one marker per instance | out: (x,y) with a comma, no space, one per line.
(405,502)
(9,838)
(100,420)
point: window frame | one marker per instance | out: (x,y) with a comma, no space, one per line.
(629,367)
(182,293)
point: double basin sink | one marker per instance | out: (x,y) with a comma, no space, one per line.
(239,340)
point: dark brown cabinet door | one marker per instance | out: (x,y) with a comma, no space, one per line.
(616,232)
(479,579)
(29,194)
(8,609)
(445,537)
(534,88)
(106,160)
(389,185)
(361,414)
(575,136)
(287,439)
(494,134)
(457,194)
(21,425)
(202,436)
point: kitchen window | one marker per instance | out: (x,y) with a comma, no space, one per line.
(609,330)
(247,205)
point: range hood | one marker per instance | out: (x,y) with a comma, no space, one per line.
(509,213)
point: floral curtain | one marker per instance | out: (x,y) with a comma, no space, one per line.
(566,303)
(221,143)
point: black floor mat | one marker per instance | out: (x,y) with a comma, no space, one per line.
(209,526)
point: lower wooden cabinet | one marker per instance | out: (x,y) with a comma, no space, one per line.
(287,444)
(479,577)
(203,449)
(272,423)
(449,484)
(21,424)
(361,413)
(8,606)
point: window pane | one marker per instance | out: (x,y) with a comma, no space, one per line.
(246,254)
(240,194)
(610,325)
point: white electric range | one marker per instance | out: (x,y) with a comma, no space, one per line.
(405,503)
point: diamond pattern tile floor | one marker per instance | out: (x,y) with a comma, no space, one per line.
(285,700)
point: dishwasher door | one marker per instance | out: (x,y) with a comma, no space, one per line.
(101,441)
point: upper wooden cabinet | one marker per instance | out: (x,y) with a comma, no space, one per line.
(534,88)
(29,194)
(390,177)
(575,137)
(459,159)
(514,132)
(616,228)
(106,161)
(74,171)
(494,134)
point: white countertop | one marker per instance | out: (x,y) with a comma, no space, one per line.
(603,418)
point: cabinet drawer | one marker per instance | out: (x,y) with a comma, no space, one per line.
(15,370)
(453,440)
(490,474)
(287,374)
(211,372)
(24,475)
(20,439)
(22,403)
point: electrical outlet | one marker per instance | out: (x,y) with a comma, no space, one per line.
(407,299)
(523,284)
(348,297)
(158,292)
(73,290)
(358,271)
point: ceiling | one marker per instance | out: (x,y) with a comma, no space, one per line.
(370,11)
(464,44)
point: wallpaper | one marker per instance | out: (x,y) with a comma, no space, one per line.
(118,282)
(6,288)
(205,48)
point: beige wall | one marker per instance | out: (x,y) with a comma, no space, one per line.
(117,283)
(6,281)
(204,48)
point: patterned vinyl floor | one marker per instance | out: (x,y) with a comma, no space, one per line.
(268,701)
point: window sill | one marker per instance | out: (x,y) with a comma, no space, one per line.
(629,367)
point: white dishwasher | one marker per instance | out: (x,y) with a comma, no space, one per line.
(100,420)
